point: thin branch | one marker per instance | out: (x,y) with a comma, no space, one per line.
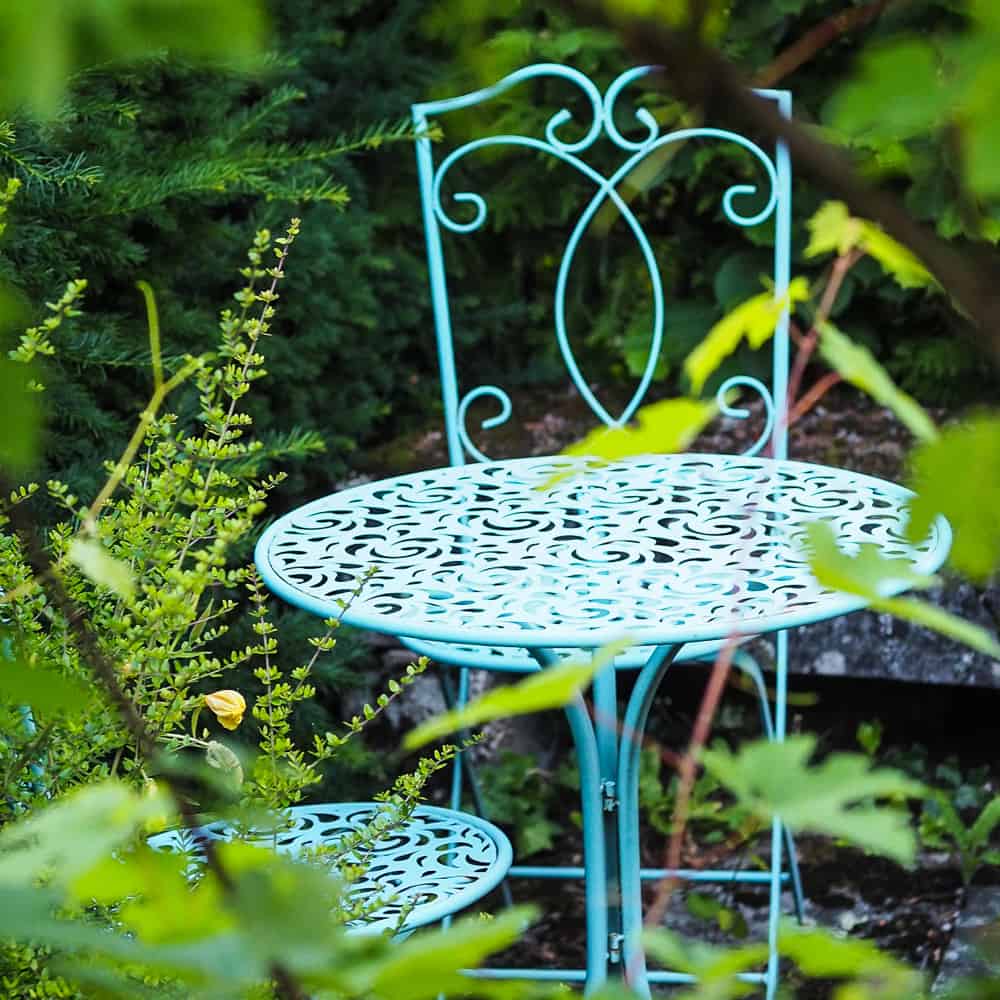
(807,346)
(687,770)
(701,77)
(816,39)
(814,395)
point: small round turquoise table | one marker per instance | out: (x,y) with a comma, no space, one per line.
(555,554)
(417,872)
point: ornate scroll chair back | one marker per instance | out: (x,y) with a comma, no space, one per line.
(603,168)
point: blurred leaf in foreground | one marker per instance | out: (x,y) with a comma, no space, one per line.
(755,321)
(834,230)
(833,797)
(874,577)
(44,43)
(42,688)
(668,426)
(551,687)
(96,562)
(958,476)
(20,416)
(857,365)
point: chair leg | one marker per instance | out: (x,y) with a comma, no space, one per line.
(747,665)
(466,769)
(774,910)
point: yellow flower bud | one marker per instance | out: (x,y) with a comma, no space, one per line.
(228,707)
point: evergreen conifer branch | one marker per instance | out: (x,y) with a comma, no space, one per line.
(247,121)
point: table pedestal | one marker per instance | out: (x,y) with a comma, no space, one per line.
(608,752)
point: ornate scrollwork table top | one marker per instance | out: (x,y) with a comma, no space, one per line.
(433,864)
(663,549)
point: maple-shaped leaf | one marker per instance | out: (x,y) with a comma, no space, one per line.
(835,797)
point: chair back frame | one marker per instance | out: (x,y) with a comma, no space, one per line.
(436,217)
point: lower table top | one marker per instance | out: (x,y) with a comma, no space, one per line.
(660,548)
(434,864)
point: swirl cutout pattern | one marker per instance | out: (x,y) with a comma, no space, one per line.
(663,548)
(434,863)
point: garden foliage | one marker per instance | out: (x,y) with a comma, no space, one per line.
(115,613)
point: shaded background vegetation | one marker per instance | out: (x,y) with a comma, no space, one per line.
(162,171)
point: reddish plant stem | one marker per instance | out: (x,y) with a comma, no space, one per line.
(817,39)
(794,408)
(687,770)
(814,395)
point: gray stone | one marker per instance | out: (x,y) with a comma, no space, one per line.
(962,959)
(865,644)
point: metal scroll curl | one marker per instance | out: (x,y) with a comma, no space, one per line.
(723,394)
(495,421)
(606,188)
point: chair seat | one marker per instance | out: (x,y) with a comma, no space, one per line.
(436,863)
(510,659)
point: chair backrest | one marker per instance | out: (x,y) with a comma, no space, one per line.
(768,202)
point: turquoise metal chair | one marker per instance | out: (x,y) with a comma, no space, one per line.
(454,209)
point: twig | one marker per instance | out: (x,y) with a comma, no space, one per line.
(807,346)
(687,769)
(817,39)
(814,395)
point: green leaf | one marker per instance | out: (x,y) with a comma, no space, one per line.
(869,574)
(45,42)
(857,365)
(899,91)
(667,426)
(551,687)
(42,688)
(958,476)
(738,277)
(833,797)
(94,560)
(875,577)
(986,822)
(715,968)
(755,320)
(834,230)
(431,963)
(937,619)
(65,840)
(820,954)
(895,259)
(20,417)
(678,13)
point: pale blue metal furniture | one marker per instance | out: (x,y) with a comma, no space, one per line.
(478,568)
(430,866)
(665,549)
(599,127)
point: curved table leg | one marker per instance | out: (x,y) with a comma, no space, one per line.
(594,844)
(633,727)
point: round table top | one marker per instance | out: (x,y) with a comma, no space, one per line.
(661,549)
(413,873)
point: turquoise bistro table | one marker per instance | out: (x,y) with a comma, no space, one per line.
(664,550)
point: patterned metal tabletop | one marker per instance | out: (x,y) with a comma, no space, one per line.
(658,548)
(434,864)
